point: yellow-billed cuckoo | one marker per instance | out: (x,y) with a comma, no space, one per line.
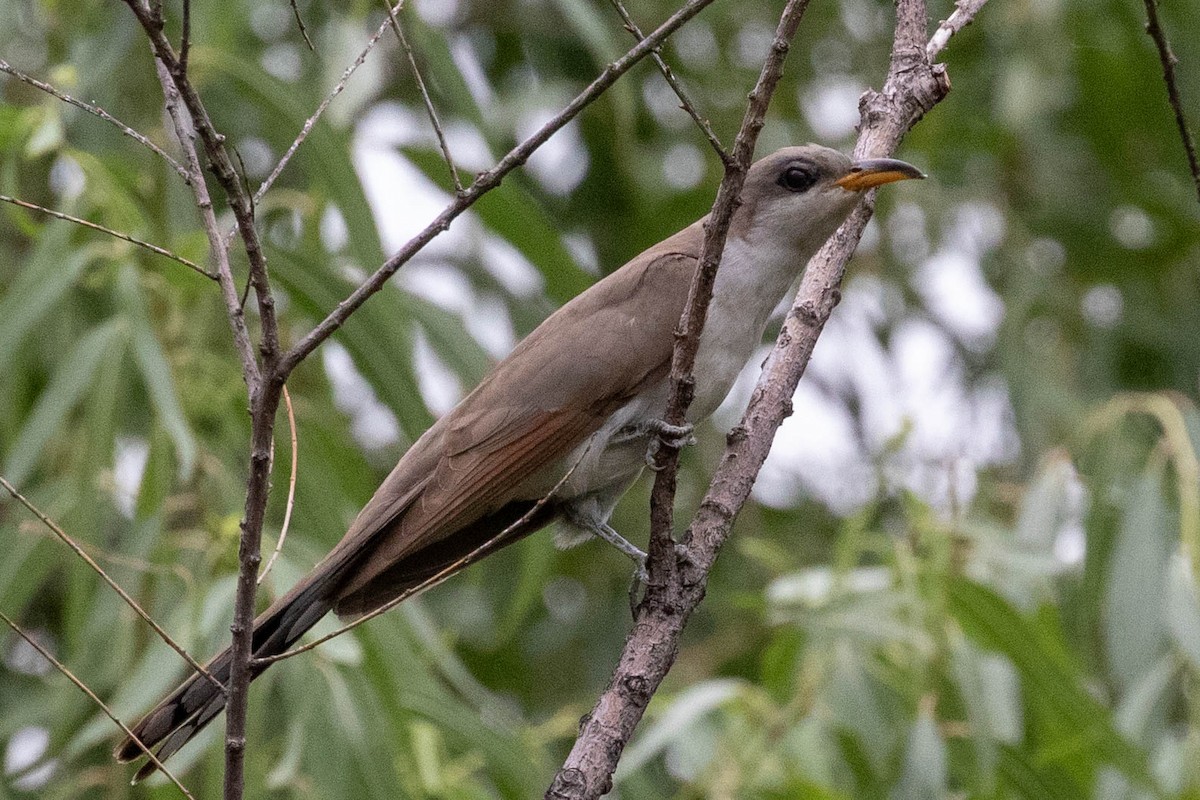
(583,394)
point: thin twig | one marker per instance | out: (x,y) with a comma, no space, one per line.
(185,36)
(964,12)
(116,587)
(1168,59)
(185,133)
(83,687)
(485,182)
(222,168)
(300,23)
(291,495)
(429,109)
(96,111)
(684,101)
(309,123)
(125,237)
(434,579)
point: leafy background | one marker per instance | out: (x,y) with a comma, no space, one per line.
(969,568)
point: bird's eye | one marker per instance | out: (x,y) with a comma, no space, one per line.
(797,179)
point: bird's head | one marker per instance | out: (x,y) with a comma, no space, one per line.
(800,195)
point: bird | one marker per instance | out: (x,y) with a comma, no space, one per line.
(559,429)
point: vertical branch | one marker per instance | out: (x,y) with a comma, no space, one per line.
(687,334)
(1168,59)
(186,135)
(264,390)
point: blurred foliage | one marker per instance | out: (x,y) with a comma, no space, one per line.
(1037,637)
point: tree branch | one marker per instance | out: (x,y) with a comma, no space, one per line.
(97,111)
(587,771)
(685,102)
(116,587)
(913,86)
(185,133)
(691,324)
(1168,59)
(429,109)
(222,166)
(153,248)
(483,184)
(83,687)
(964,12)
(264,389)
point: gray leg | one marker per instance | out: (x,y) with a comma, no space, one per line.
(589,518)
(605,532)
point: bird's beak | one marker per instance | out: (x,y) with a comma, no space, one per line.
(872,172)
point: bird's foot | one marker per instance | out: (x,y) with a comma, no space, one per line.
(660,432)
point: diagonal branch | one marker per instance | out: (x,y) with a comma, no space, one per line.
(97,111)
(1168,59)
(116,587)
(484,183)
(429,109)
(964,13)
(83,687)
(186,134)
(125,237)
(684,101)
(913,86)
(311,122)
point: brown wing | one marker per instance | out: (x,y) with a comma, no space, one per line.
(556,389)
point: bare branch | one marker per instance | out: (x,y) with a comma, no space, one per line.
(964,14)
(1168,59)
(588,769)
(186,134)
(153,248)
(687,339)
(222,168)
(429,109)
(485,182)
(116,587)
(912,88)
(264,399)
(291,495)
(300,24)
(684,101)
(309,123)
(96,111)
(46,654)
(185,36)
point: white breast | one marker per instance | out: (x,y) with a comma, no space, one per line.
(750,283)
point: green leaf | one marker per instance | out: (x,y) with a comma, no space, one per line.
(156,373)
(72,379)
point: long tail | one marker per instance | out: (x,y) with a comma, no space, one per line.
(185,712)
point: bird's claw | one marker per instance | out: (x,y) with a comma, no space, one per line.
(673,436)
